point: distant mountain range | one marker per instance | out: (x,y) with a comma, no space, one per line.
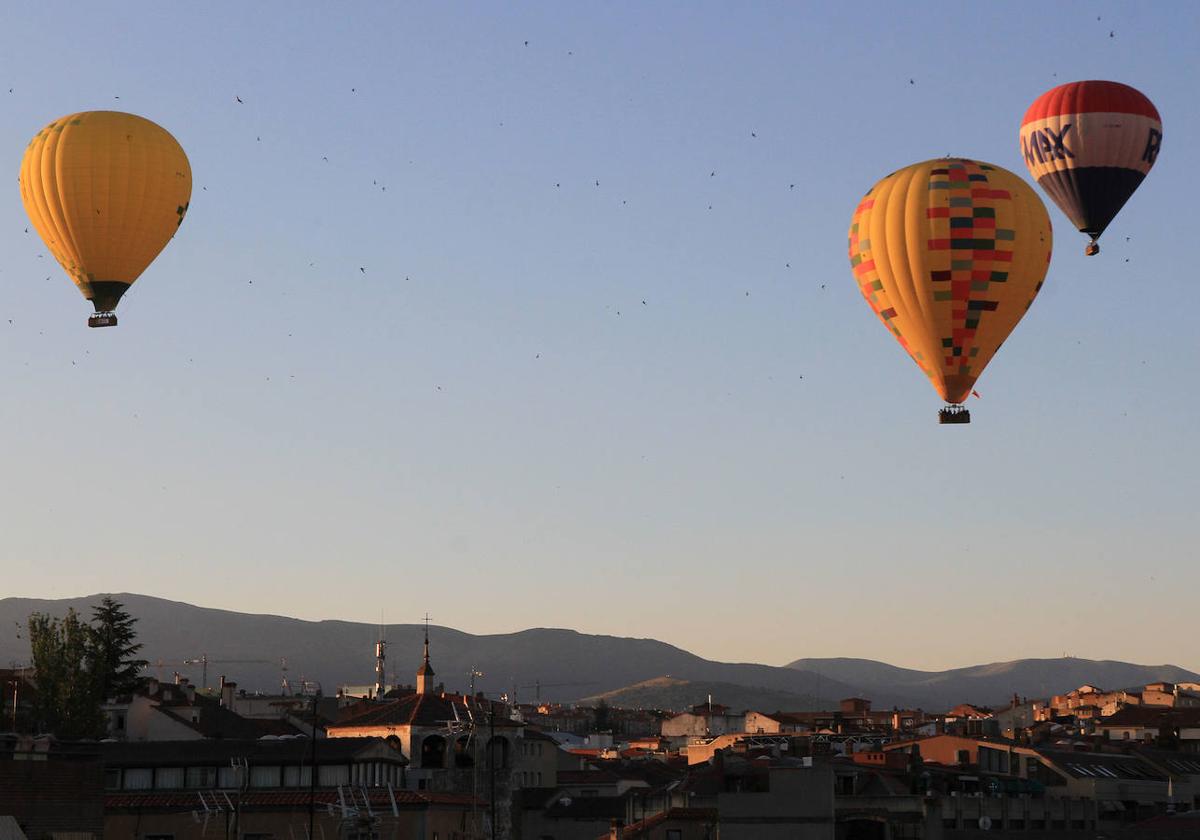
(995,682)
(672,693)
(560,665)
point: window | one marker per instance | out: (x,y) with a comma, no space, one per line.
(333,775)
(229,778)
(168,778)
(120,723)
(112,779)
(674,834)
(433,751)
(201,777)
(297,776)
(497,752)
(138,778)
(463,752)
(265,777)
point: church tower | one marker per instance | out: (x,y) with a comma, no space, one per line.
(425,672)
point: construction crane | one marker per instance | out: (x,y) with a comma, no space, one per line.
(538,685)
(203,661)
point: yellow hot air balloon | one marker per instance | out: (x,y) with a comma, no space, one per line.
(106,191)
(949,254)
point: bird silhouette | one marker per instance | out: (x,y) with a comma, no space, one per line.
(363,270)
(238,98)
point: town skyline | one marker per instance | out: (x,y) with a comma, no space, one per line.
(258,651)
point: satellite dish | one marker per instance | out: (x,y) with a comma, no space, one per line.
(985,823)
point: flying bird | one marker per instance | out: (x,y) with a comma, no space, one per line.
(238,98)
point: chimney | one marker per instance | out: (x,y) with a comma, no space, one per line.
(178,678)
(227,689)
(616,829)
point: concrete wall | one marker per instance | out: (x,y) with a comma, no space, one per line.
(283,823)
(48,794)
(798,805)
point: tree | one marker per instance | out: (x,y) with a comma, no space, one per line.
(112,650)
(78,666)
(66,702)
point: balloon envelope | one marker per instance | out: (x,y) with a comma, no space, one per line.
(1089,145)
(106,191)
(949,254)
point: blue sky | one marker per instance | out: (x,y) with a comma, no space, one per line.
(328,398)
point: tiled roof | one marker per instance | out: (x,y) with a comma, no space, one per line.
(221,751)
(189,800)
(534,798)
(641,828)
(218,722)
(587,777)
(423,710)
(587,808)
(1085,765)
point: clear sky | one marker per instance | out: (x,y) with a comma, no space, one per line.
(591,360)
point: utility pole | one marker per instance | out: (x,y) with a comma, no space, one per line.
(492,760)
(312,771)
(15,683)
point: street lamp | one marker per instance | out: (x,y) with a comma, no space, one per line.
(312,770)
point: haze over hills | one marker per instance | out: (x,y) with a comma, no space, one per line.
(562,665)
(994,682)
(247,648)
(672,693)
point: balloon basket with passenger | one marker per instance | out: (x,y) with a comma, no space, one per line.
(954,413)
(103,319)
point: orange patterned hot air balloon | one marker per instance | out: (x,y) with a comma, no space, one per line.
(949,254)
(106,191)
(1089,145)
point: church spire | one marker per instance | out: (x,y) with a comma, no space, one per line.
(425,672)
